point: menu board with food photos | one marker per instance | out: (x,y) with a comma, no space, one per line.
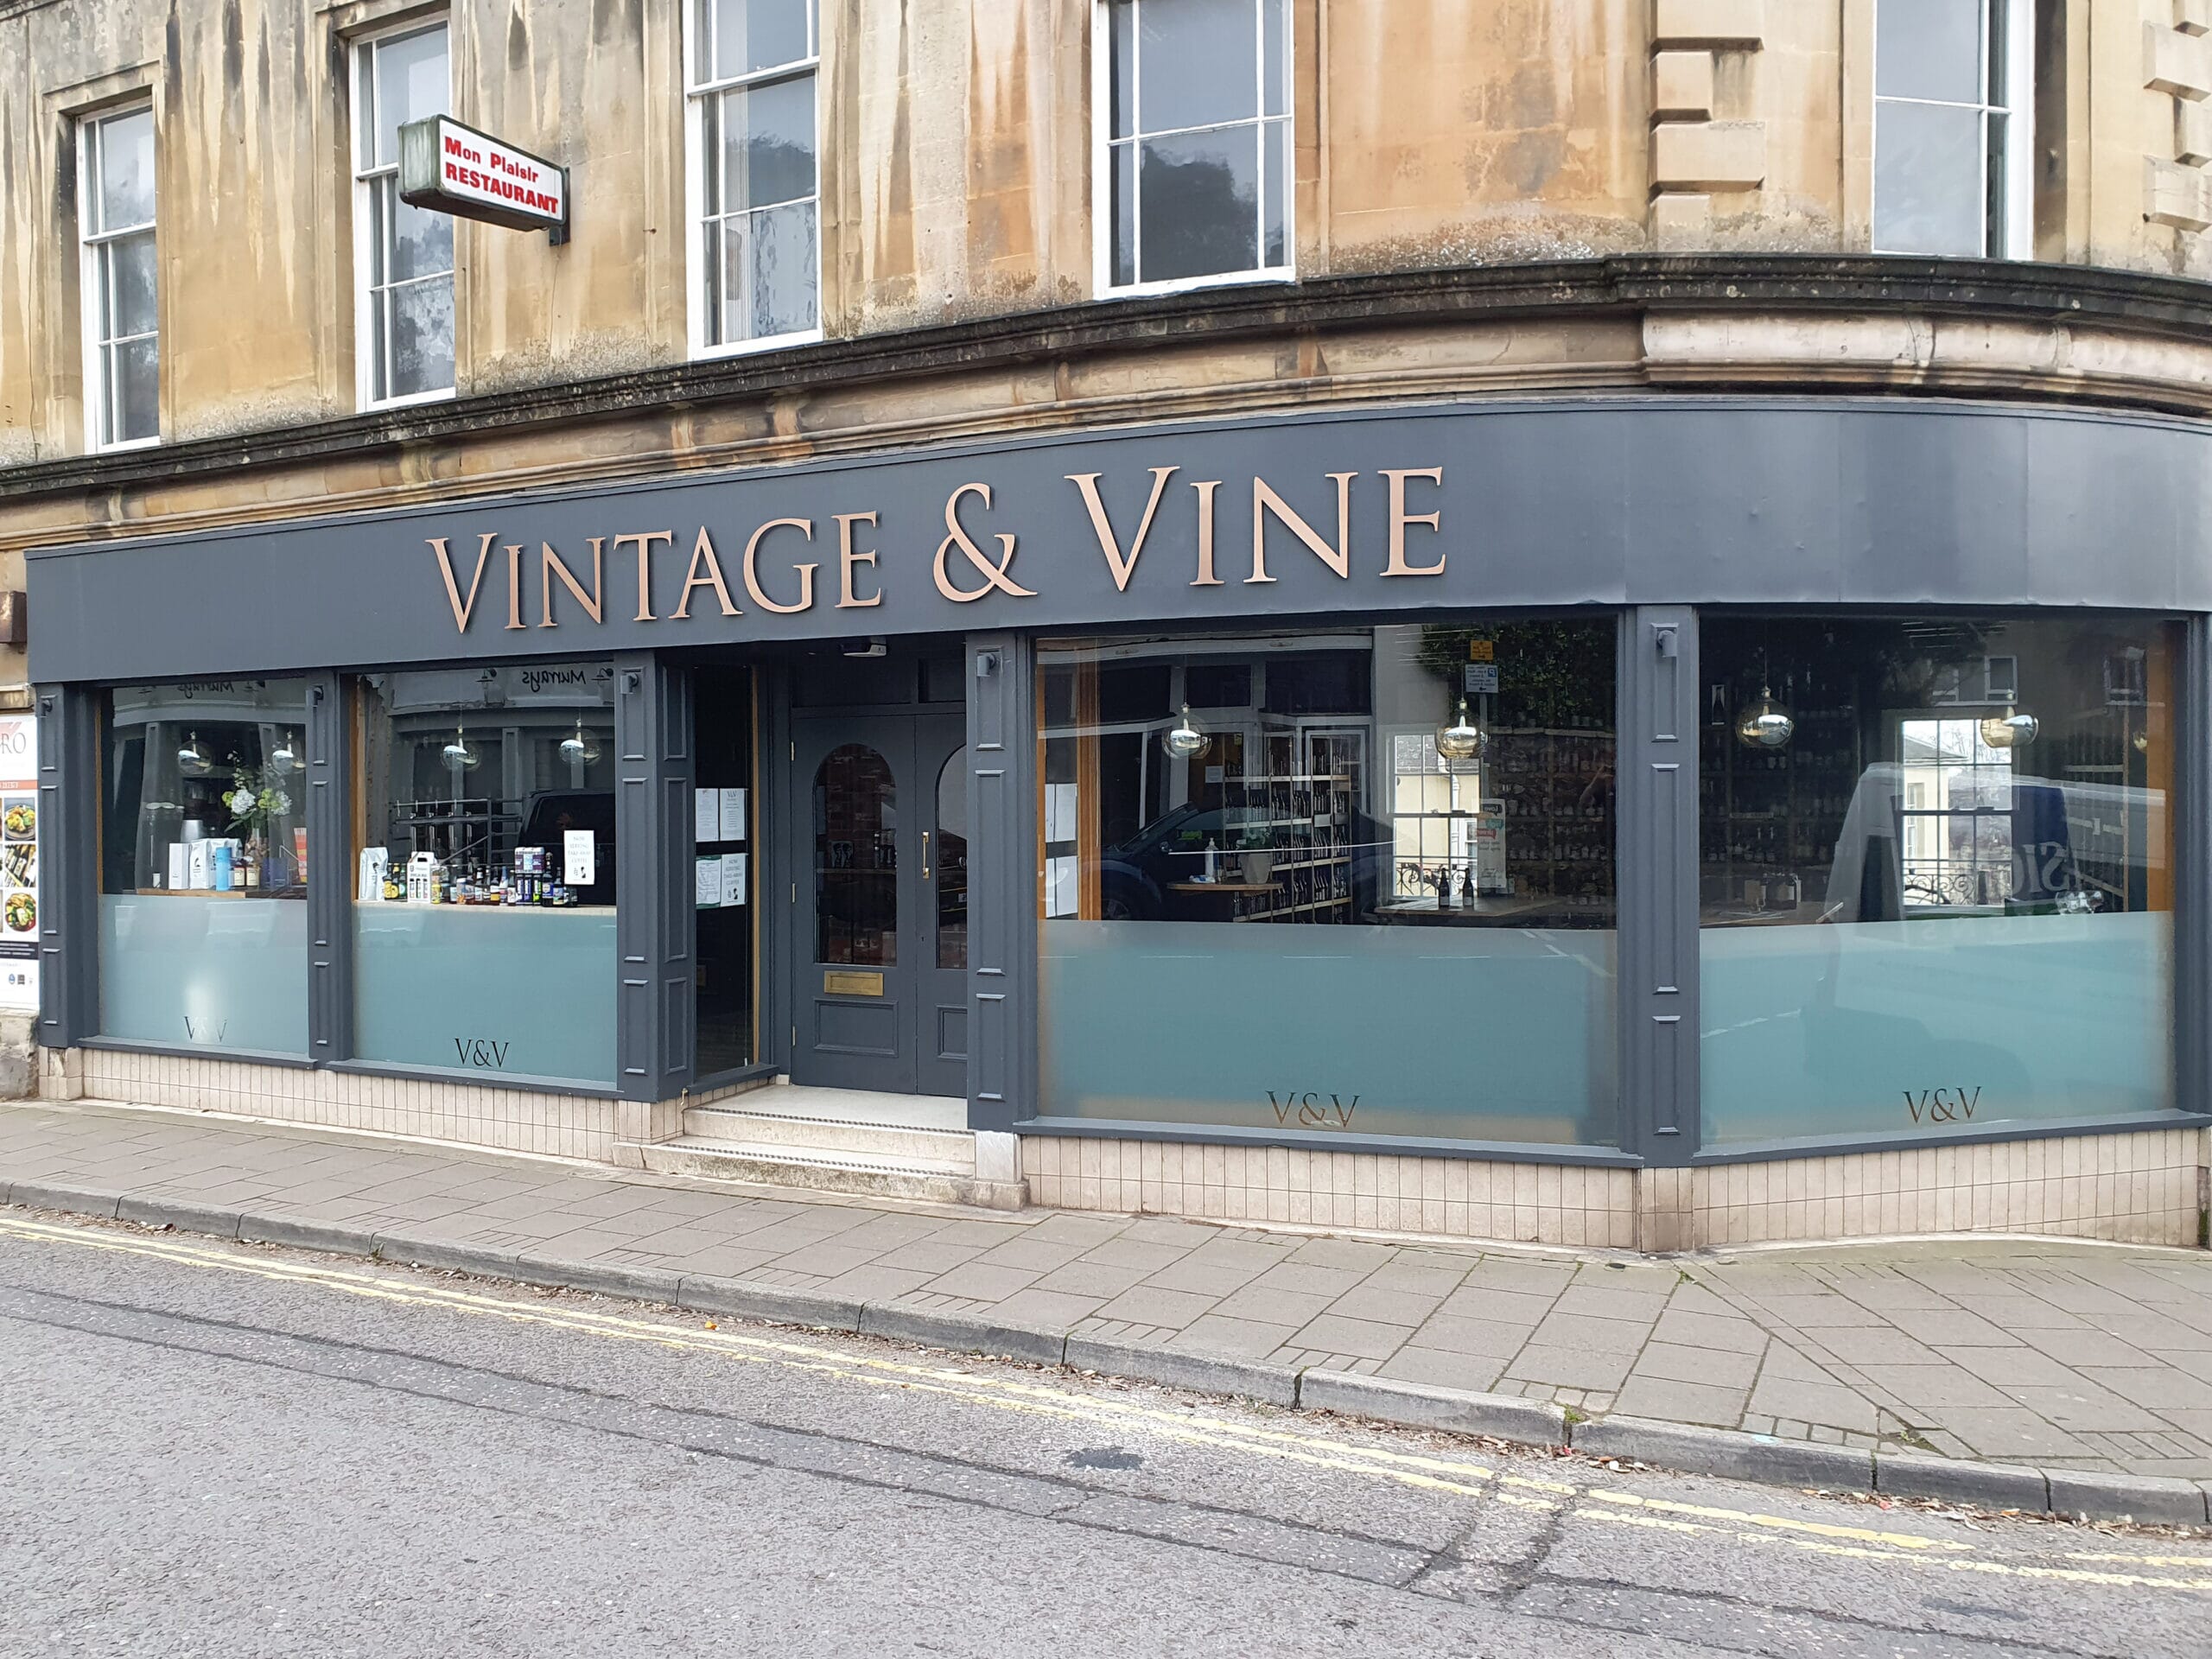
(18,863)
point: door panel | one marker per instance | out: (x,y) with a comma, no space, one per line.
(879,802)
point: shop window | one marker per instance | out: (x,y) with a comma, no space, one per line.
(122,333)
(1937,873)
(1953,128)
(403,256)
(203,865)
(1377,897)
(755,173)
(725,988)
(949,874)
(485,873)
(1196,153)
(856,859)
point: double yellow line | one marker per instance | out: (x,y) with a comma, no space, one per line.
(1018,1392)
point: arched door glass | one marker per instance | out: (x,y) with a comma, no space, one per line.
(856,859)
(951,871)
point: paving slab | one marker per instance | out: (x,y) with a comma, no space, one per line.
(2081,1371)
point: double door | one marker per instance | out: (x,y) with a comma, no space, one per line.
(880,816)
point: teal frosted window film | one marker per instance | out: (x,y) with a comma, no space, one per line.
(1358,882)
(1936,877)
(204,865)
(485,896)
(212,970)
(520,991)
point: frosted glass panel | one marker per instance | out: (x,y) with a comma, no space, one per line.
(1925,1027)
(1456,1034)
(516,990)
(218,971)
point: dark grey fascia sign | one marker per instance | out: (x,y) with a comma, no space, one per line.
(448,168)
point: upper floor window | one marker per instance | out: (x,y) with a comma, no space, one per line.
(402,256)
(1196,145)
(755,176)
(122,337)
(1953,126)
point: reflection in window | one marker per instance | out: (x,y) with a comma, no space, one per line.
(1936,855)
(204,857)
(952,873)
(856,859)
(1951,128)
(404,274)
(1199,141)
(1307,884)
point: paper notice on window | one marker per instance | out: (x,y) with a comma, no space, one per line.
(579,859)
(733,877)
(706,877)
(733,815)
(1060,886)
(706,815)
(1059,812)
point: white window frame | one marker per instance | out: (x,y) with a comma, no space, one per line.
(92,282)
(695,94)
(2018,111)
(364,301)
(1102,165)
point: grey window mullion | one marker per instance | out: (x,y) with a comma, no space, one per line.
(328,811)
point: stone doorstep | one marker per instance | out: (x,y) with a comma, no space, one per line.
(1729,1453)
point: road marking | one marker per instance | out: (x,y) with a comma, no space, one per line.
(1422,1472)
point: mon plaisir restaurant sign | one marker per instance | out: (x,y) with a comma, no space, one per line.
(1479,506)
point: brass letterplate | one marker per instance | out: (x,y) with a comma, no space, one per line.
(836,982)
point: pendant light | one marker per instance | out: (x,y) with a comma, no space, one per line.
(1462,740)
(577,749)
(285,757)
(2009,730)
(1185,740)
(192,760)
(458,756)
(1762,723)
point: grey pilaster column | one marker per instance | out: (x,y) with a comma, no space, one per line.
(654,930)
(1002,880)
(69,866)
(329,812)
(1658,876)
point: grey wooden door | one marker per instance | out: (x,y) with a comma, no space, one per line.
(880,1006)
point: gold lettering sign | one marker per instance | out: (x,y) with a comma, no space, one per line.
(844,983)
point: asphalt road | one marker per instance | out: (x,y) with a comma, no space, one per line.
(216,1449)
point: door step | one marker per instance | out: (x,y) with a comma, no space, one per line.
(834,1141)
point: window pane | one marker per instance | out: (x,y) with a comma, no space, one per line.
(1940,897)
(1275,78)
(484,792)
(1929,190)
(421,242)
(855,860)
(126,171)
(1198,62)
(754,34)
(412,81)
(771,264)
(136,413)
(1200,203)
(203,863)
(1276,247)
(1124,208)
(1928,48)
(768,139)
(951,872)
(1419,945)
(130,286)
(1122,20)
(421,337)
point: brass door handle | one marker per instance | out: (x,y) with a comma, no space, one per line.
(925,855)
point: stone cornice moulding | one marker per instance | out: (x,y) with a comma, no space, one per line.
(1757,319)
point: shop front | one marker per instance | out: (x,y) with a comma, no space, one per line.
(1646,820)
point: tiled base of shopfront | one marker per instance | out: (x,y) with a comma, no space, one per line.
(2145,1186)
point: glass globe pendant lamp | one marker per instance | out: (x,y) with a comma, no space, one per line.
(577,749)
(1460,740)
(285,757)
(2009,730)
(1762,723)
(458,756)
(192,760)
(1184,739)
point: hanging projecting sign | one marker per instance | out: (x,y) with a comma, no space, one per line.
(451,168)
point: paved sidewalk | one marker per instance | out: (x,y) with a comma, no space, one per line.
(2065,1356)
